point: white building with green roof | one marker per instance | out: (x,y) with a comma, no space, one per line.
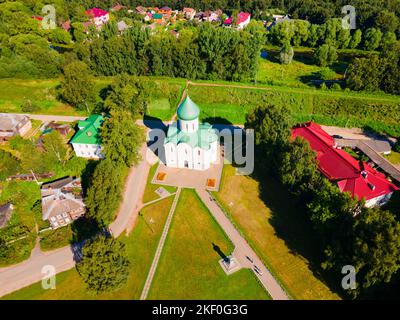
(190,144)
(87,141)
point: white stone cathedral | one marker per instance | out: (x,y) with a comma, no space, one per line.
(189,144)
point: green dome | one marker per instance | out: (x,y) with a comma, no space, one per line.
(188,110)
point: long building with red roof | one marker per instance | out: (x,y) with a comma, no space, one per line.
(356,177)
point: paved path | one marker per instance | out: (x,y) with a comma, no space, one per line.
(135,186)
(243,249)
(48,118)
(160,247)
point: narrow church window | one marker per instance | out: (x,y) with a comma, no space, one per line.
(199,152)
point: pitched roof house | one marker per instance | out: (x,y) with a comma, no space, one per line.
(98,16)
(350,175)
(5,214)
(12,125)
(62,202)
(243,19)
(87,141)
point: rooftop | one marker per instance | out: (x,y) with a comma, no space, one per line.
(358,178)
(188,110)
(9,121)
(89,130)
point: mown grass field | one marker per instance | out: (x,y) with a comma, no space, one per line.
(150,194)
(23,196)
(394,157)
(140,244)
(13,92)
(271,222)
(295,74)
(188,267)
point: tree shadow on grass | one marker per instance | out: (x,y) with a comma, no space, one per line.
(289,218)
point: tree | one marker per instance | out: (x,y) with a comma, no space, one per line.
(376,246)
(325,55)
(298,168)
(355,39)
(77,86)
(271,125)
(129,94)
(286,54)
(386,21)
(105,192)
(9,165)
(104,265)
(372,39)
(56,147)
(301,32)
(122,138)
(365,74)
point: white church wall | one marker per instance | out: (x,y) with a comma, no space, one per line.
(189,125)
(185,156)
(170,155)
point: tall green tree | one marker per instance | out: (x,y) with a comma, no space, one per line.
(372,39)
(129,94)
(298,167)
(325,55)
(104,265)
(122,138)
(77,86)
(105,192)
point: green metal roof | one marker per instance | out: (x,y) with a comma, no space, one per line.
(202,138)
(89,130)
(188,110)
(157,16)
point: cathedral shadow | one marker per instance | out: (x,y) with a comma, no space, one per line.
(153,122)
(289,218)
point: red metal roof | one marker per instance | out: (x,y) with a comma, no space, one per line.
(358,178)
(96,12)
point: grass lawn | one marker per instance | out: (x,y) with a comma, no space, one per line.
(394,157)
(23,196)
(276,230)
(149,193)
(295,74)
(141,245)
(188,267)
(13,92)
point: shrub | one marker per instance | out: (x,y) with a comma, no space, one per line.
(29,106)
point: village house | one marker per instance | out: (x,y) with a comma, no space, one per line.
(5,214)
(117,7)
(62,202)
(189,144)
(189,13)
(98,16)
(350,175)
(12,125)
(87,141)
(243,19)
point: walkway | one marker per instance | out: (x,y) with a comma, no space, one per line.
(160,247)
(48,118)
(243,251)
